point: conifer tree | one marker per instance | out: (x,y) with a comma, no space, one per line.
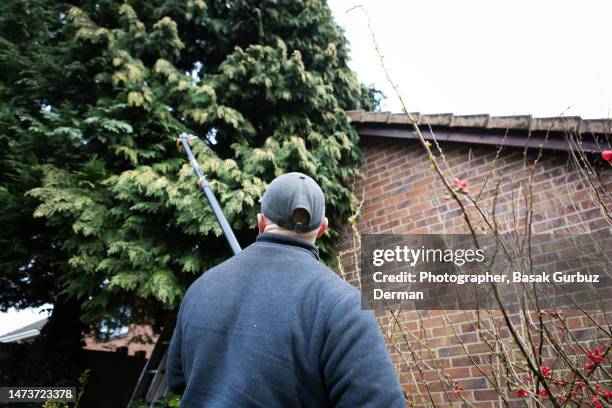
(101,205)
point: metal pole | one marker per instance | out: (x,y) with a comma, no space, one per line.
(203,183)
(151,367)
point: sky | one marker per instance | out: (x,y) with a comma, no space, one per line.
(538,57)
(501,57)
(14,319)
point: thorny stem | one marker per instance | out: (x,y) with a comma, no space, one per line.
(415,127)
(545,336)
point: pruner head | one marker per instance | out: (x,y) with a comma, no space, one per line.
(184,136)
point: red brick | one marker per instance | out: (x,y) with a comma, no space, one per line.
(403,194)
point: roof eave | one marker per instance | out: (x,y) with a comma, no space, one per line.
(25,335)
(562,133)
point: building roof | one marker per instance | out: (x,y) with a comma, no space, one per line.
(484,121)
(23,333)
(519,131)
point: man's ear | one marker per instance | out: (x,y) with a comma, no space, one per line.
(261,222)
(322,228)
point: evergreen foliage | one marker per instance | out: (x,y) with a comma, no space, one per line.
(98,203)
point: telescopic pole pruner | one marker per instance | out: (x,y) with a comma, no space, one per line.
(151,383)
(185,139)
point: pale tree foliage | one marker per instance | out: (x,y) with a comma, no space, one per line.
(106,90)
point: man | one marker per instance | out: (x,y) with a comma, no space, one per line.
(273,327)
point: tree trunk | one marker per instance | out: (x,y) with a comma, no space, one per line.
(56,353)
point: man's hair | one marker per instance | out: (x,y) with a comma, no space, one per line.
(300,215)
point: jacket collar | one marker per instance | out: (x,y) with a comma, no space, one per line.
(287,240)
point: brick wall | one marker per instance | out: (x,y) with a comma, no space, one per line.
(139,338)
(400,193)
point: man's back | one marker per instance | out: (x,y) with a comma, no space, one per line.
(273,327)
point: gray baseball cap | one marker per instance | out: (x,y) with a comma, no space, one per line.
(289,192)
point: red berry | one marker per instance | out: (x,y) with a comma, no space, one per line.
(606,155)
(595,356)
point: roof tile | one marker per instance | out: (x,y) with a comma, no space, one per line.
(525,122)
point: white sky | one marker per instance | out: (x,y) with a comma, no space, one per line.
(501,57)
(13,319)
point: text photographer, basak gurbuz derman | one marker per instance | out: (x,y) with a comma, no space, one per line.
(274,327)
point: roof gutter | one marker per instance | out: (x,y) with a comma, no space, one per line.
(521,139)
(25,335)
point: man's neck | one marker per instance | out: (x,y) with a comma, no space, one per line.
(275,229)
(285,239)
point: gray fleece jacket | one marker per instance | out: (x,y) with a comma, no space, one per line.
(274,327)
